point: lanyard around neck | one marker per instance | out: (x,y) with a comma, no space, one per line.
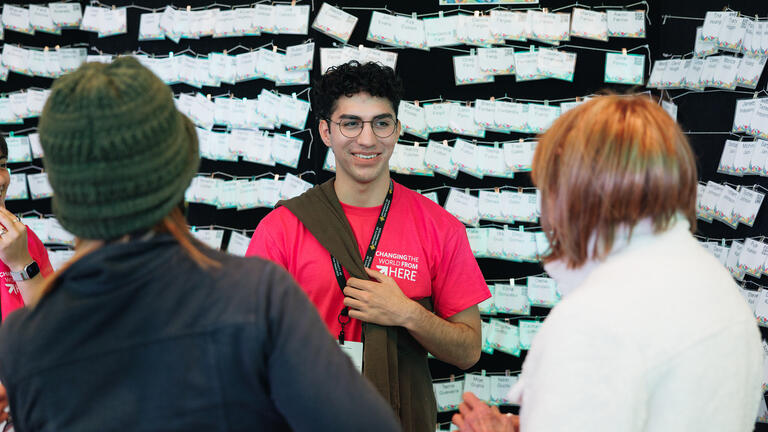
(370,254)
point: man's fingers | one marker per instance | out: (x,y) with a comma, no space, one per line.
(472,401)
(375,275)
(359,283)
(353,304)
(458,420)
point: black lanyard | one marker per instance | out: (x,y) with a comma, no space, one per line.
(370,254)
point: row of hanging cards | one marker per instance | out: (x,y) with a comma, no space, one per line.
(38,184)
(270,110)
(217,68)
(172,23)
(438,157)
(516,299)
(741,158)
(331,57)
(533,64)
(175,24)
(252,146)
(502,206)
(718,71)
(490,388)
(500,25)
(15,107)
(474,119)
(740,257)
(751,117)
(517,245)
(542,63)
(729,31)
(728,205)
(290,68)
(243,194)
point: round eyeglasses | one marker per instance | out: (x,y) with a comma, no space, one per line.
(352,128)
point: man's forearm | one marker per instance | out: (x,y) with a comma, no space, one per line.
(457,343)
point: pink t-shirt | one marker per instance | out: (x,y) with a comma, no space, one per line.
(10,296)
(423,247)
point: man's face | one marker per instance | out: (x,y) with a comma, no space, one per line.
(363,158)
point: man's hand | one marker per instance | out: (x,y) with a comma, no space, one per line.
(13,242)
(3,404)
(379,301)
(476,416)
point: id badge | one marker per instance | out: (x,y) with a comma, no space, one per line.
(355,352)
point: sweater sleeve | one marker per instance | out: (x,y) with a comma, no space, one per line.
(313,384)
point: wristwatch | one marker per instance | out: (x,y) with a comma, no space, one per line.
(30,270)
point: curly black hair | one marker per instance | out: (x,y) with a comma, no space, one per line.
(350,79)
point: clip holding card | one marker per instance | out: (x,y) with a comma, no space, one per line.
(416,102)
(170,54)
(754,96)
(10,134)
(521,228)
(414,16)
(521,140)
(208,96)
(496,189)
(482,372)
(293,95)
(472,52)
(623,51)
(496,145)
(440,14)
(277,177)
(511,280)
(452,378)
(274,48)
(293,2)
(416,144)
(506,372)
(545,10)
(533,48)
(477,13)
(189,8)
(493,99)
(57,47)
(45,49)
(360,47)
(445,142)
(114,7)
(466,191)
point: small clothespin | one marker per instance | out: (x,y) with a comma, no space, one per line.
(416,144)
(189,8)
(623,51)
(416,102)
(445,142)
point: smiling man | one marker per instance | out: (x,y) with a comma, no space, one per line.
(375,257)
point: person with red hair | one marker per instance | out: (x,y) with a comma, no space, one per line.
(652,333)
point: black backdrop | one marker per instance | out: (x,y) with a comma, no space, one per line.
(429,75)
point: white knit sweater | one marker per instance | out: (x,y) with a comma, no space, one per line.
(654,338)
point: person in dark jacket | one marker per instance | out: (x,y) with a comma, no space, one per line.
(145,328)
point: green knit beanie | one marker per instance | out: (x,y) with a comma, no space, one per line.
(119,155)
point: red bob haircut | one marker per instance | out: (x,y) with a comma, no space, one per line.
(609,163)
